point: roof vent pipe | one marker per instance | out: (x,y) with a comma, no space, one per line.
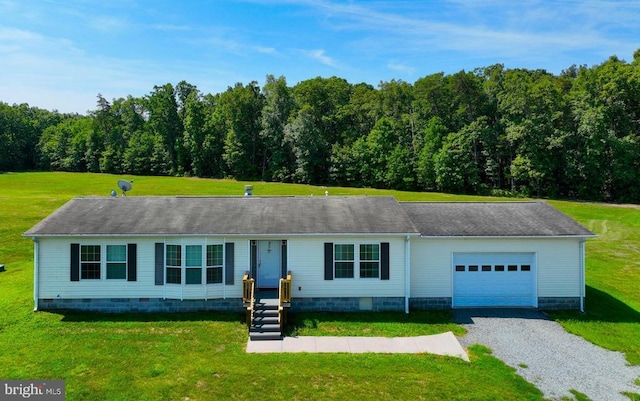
(248,190)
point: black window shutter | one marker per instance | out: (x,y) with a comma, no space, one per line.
(159,263)
(384,261)
(132,262)
(254,258)
(75,262)
(328,261)
(228,262)
(284,259)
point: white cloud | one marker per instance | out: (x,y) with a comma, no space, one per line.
(267,50)
(543,31)
(171,27)
(18,35)
(320,55)
(401,68)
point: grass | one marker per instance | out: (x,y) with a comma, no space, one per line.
(202,356)
(579,396)
(386,324)
(612,318)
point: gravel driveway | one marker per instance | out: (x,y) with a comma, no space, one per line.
(546,355)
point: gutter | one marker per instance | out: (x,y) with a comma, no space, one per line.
(507,236)
(232,235)
(36,273)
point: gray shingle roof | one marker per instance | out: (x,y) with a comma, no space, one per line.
(303,215)
(492,219)
(226,216)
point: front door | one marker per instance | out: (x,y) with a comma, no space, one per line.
(269,264)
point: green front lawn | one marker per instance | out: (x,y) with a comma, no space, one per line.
(612,318)
(201,356)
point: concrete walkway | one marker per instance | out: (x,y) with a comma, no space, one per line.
(439,344)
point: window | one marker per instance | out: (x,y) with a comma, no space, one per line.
(525,268)
(473,268)
(90,262)
(214,264)
(193,258)
(174,264)
(512,268)
(460,268)
(116,262)
(486,268)
(369,260)
(344,260)
(499,268)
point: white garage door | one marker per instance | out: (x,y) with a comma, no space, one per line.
(494,279)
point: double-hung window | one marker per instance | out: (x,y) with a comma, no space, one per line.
(90,262)
(344,260)
(103,262)
(193,264)
(214,263)
(174,264)
(116,262)
(369,260)
(185,264)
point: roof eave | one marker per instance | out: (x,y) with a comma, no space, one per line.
(509,236)
(66,235)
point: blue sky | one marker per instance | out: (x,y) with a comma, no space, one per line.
(61,54)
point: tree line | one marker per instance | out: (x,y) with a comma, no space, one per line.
(492,130)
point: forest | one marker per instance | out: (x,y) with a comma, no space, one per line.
(493,130)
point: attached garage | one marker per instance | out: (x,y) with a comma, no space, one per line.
(495,254)
(494,279)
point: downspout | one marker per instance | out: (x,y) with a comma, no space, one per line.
(582,275)
(224,268)
(36,274)
(407,273)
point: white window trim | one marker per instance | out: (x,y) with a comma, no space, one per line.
(379,261)
(183,244)
(102,268)
(357,260)
(103,261)
(126,262)
(206,265)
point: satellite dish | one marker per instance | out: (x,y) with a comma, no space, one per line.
(124,186)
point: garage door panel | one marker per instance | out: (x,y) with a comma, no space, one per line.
(494,279)
(491,301)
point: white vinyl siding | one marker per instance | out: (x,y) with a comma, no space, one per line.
(557,263)
(54,271)
(306,261)
(557,268)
